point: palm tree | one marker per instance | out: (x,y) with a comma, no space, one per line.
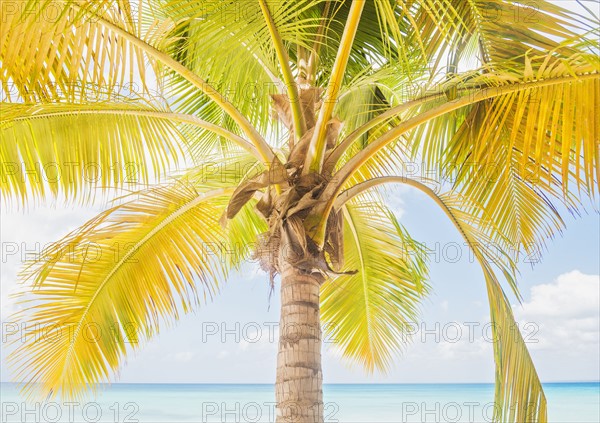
(304,110)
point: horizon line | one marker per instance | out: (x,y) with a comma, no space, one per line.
(330,383)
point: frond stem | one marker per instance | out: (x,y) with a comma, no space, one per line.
(313,59)
(176,117)
(316,150)
(393,134)
(286,70)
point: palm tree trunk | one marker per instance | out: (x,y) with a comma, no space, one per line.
(298,389)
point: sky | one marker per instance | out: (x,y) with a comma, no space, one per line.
(234,338)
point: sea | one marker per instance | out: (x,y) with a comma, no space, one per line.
(148,403)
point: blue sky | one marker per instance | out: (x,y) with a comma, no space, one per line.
(233,339)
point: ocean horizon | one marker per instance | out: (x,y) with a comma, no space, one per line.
(568,402)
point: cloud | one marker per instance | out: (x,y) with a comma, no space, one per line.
(562,317)
(184,356)
(565,312)
(571,295)
(445,305)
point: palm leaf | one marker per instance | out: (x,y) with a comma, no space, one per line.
(504,30)
(547,124)
(70,148)
(368,95)
(236,37)
(51,50)
(562,141)
(519,394)
(115,280)
(368,314)
(550,132)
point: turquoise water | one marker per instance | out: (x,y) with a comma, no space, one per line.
(568,402)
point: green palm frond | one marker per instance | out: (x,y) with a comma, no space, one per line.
(368,95)
(369,314)
(237,37)
(519,393)
(371,46)
(114,282)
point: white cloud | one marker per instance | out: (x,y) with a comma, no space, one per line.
(444,305)
(566,312)
(223,354)
(571,295)
(184,356)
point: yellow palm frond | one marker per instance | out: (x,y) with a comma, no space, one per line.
(555,134)
(51,50)
(127,41)
(549,134)
(124,273)
(69,148)
(519,395)
(503,30)
(219,171)
(114,281)
(524,209)
(369,314)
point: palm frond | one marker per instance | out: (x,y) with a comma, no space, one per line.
(368,95)
(236,37)
(571,149)
(504,30)
(114,282)
(548,132)
(71,148)
(519,395)
(316,150)
(369,314)
(222,171)
(51,50)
